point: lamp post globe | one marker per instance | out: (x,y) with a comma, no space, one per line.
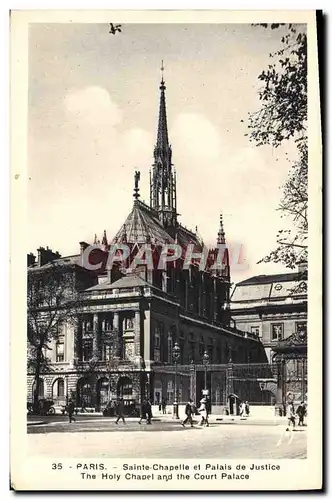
(176,357)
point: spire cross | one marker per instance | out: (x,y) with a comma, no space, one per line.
(162,69)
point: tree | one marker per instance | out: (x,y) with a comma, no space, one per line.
(292,243)
(283,116)
(283,112)
(52,300)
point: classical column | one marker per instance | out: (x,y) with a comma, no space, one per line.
(95,336)
(116,328)
(137,331)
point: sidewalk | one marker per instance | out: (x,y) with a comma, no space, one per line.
(228,419)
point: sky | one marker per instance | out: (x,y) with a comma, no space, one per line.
(92,121)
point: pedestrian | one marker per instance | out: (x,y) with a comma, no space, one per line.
(189,411)
(149,411)
(301,411)
(203,413)
(145,412)
(208,406)
(120,411)
(163,405)
(247,408)
(290,416)
(159,408)
(70,410)
(242,409)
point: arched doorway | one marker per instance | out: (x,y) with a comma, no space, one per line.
(84,393)
(103,392)
(58,391)
(125,388)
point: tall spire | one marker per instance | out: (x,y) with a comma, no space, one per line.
(221,232)
(163,180)
(162,136)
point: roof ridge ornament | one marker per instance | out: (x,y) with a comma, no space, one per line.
(137,178)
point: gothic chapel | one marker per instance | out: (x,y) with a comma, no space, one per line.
(122,345)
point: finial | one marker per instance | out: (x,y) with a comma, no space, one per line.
(137,177)
(221,232)
(162,84)
(95,240)
(104,240)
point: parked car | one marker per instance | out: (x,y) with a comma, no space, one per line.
(131,408)
(45,407)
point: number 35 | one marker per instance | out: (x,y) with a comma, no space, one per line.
(56,466)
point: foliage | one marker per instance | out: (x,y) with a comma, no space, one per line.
(283,111)
(283,116)
(52,301)
(292,244)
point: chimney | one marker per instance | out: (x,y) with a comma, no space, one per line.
(41,254)
(31,258)
(46,255)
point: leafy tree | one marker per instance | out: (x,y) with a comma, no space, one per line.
(52,300)
(292,243)
(283,116)
(283,111)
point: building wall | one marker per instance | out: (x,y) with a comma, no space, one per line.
(264,323)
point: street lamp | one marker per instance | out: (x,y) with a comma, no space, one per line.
(206,361)
(176,357)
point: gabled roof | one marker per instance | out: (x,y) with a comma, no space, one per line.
(131,280)
(271,287)
(272,278)
(185,236)
(70,260)
(142,226)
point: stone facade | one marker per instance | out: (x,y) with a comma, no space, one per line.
(122,344)
(275,308)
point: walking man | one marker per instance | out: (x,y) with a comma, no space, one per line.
(290,415)
(70,409)
(203,413)
(301,413)
(148,412)
(189,410)
(120,411)
(163,405)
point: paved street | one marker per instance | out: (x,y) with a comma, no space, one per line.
(102,438)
